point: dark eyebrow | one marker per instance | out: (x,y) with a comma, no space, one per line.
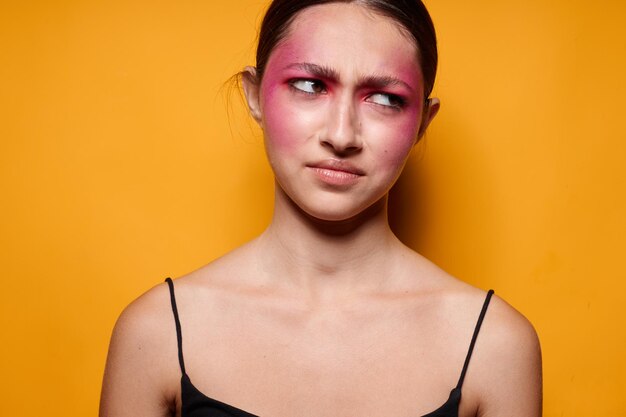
(316,70)
(382,81)
(371,81)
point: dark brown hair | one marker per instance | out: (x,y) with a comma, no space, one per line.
(410,14)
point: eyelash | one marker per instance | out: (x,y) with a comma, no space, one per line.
(397,102)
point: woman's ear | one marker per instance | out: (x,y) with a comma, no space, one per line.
(431,108)
(251,89)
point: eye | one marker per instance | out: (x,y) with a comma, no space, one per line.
(307,86)
(387,100)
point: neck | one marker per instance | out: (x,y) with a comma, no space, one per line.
(326,257)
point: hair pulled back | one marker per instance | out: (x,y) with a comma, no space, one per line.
(410,14)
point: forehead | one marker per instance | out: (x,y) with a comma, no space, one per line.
(349,38)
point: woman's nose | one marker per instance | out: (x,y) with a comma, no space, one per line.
(342,130)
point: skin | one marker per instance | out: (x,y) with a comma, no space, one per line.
(312,112)
(327,314)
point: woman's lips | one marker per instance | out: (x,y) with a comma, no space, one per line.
(336,172)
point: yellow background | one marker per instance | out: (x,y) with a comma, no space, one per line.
(119,167)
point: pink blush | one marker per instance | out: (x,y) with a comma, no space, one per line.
(281,121)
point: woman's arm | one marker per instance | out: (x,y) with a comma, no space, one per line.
(139,379)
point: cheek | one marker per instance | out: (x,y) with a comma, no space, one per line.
(398,138)
(285,125)
(277,116)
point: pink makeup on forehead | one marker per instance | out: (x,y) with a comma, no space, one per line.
(301,56)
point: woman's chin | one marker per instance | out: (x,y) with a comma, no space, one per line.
(338,213)
(321,206)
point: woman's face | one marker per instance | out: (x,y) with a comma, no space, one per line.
(340,104)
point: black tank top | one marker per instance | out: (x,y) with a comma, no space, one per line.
(196,404)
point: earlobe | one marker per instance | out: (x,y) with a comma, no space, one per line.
(251,91)
(431,109)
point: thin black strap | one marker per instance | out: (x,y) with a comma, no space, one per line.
(474,337)
(179,333)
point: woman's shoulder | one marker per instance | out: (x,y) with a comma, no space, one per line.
(504,370)
(146,329)
(507,340)
(197,293)
(458,298)
(153,309)
(141,367)
(147,315)
(504,330)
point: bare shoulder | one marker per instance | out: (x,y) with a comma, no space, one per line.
(148,323)
(504,324)
(145,311)
(509,341)
(504,374)
(142,373)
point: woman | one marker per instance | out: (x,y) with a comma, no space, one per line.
(327,313)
